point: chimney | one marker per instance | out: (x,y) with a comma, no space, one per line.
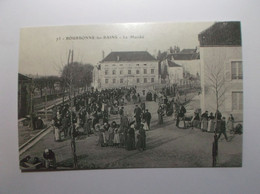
(118,58)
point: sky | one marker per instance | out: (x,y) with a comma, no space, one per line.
(44,50)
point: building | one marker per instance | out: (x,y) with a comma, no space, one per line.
(24,95)
(174,71)
(221,69)
(126,69)
(189,59)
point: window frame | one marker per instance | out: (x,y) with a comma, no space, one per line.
(239,103)
(236,76)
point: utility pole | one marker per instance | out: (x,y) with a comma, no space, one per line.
(73,143)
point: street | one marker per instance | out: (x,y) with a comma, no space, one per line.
(166,146)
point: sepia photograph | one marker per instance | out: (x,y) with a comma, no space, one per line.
(130,95)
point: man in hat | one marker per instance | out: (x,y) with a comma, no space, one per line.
(223,128)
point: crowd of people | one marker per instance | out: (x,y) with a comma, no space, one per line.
(90,113)
(207,122)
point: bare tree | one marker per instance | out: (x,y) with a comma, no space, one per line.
(70,84)
(216,82)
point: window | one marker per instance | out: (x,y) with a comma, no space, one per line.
(106,72)
(121,71)
(129,71)
(121,64)
(137,80)
(106,81)
(236,70)
(137,72)
(152,71)
(137,64)
(152,80)
(237,100)
(145,80)
(145,71)
(144,64)
(121,80)
(114,80)
(114,72)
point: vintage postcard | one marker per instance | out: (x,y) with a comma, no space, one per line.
(137,95)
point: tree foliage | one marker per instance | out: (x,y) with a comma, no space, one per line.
(79,74)
(46,82)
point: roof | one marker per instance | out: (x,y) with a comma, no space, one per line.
(221,34)
(129,56)
(188,51)
(172,64)
(184,56)
(22,77)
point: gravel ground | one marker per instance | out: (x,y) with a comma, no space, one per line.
(167,146)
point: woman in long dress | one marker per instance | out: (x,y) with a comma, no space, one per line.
(160,115)
(111,136)
(56,125)
(116,137)
(131,139)
(100,131)
(204,121)
(211,123)
(196,120)
(230,123)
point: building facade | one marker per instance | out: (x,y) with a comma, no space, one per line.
(221,69)
(126,69)
(189,59)
(175,72)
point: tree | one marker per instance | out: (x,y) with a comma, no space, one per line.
(40,84)
(162,69)
(46,82)
(69,79)
(216,83)
(81,74)
(51,80)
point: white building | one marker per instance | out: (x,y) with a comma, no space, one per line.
(175,71)
(125,69)
(189,59)
(221,63)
